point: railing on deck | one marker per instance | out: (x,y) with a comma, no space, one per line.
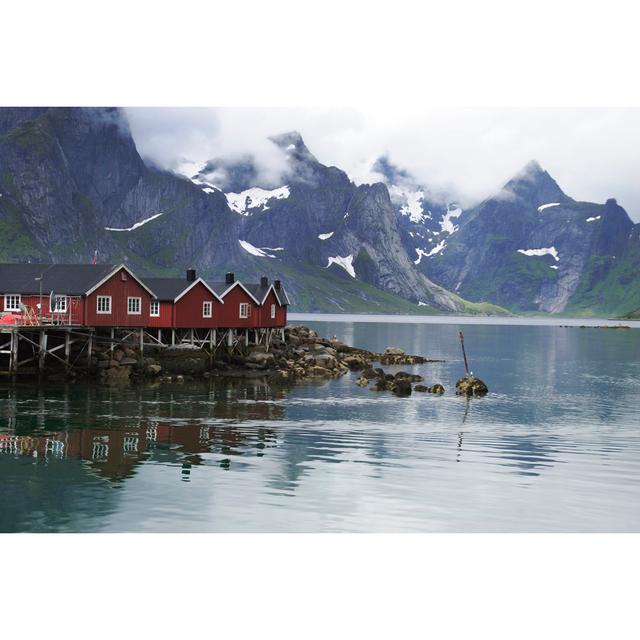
(30,316)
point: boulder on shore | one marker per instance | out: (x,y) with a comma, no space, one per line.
(437,388)
(401,388)
(470,386)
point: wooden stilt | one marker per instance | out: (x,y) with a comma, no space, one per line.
(13,361)
(112,335)
(160,336)
(173,337)
(230,338)
(89,349)
(141,340)
(67,347)
(43,350)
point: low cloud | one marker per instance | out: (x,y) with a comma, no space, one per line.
(468,153)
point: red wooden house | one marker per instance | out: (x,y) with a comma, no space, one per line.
(113,296)
(241,308)
(184,303)
(74,294)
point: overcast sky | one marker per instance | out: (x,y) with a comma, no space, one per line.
(592,153)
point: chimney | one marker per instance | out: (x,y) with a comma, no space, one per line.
(230,278)
(264,282)
(276,284)
(191,275)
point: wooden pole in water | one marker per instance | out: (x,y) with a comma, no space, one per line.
(464,355)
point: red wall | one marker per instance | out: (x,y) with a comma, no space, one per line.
(119,291)
(229,316)
(265,313)
(165,319)
(188,310)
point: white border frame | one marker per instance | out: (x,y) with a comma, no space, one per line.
(104,313)
(134,313)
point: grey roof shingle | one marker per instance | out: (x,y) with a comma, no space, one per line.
(69,279)
(167,288)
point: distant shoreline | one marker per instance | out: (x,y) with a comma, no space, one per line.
(542,321)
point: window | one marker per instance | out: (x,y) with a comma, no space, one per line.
(134,306)
(207,308)
(12,302)
(154,309)
(273,311)
(244,309)
(103,304)
(59,304)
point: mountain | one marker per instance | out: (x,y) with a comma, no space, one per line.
(426,219)
(72,182)
(532,248)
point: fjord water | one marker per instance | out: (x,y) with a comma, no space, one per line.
(555,446)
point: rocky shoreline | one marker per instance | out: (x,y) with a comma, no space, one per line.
(301,356)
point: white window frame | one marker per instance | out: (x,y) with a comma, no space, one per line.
(207,308)
(58,308)
(8,298)
(154,309)
(243,310)
(273,311)
(106,312)
(134,299)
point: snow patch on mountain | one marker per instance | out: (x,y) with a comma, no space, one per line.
(325,236)
(137,224)
(446,223)
(542,207)
(545,251)
(427,254)
(345,262)
(593,219)
(254,251)
(413,203)
(255,198)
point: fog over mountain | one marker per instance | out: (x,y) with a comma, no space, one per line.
(467,153)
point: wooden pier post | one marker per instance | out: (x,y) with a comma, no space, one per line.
(160,336)
(13,349)
(42,354)
(89,348)
(67,347)
(141,340)
(173,337)
(230,338)
(111,345)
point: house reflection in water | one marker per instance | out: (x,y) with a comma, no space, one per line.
(225,420)
(115,453)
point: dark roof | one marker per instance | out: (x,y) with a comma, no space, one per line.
(69,279)
(256,290)
(167,288)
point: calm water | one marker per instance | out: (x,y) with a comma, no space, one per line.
(555,446)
